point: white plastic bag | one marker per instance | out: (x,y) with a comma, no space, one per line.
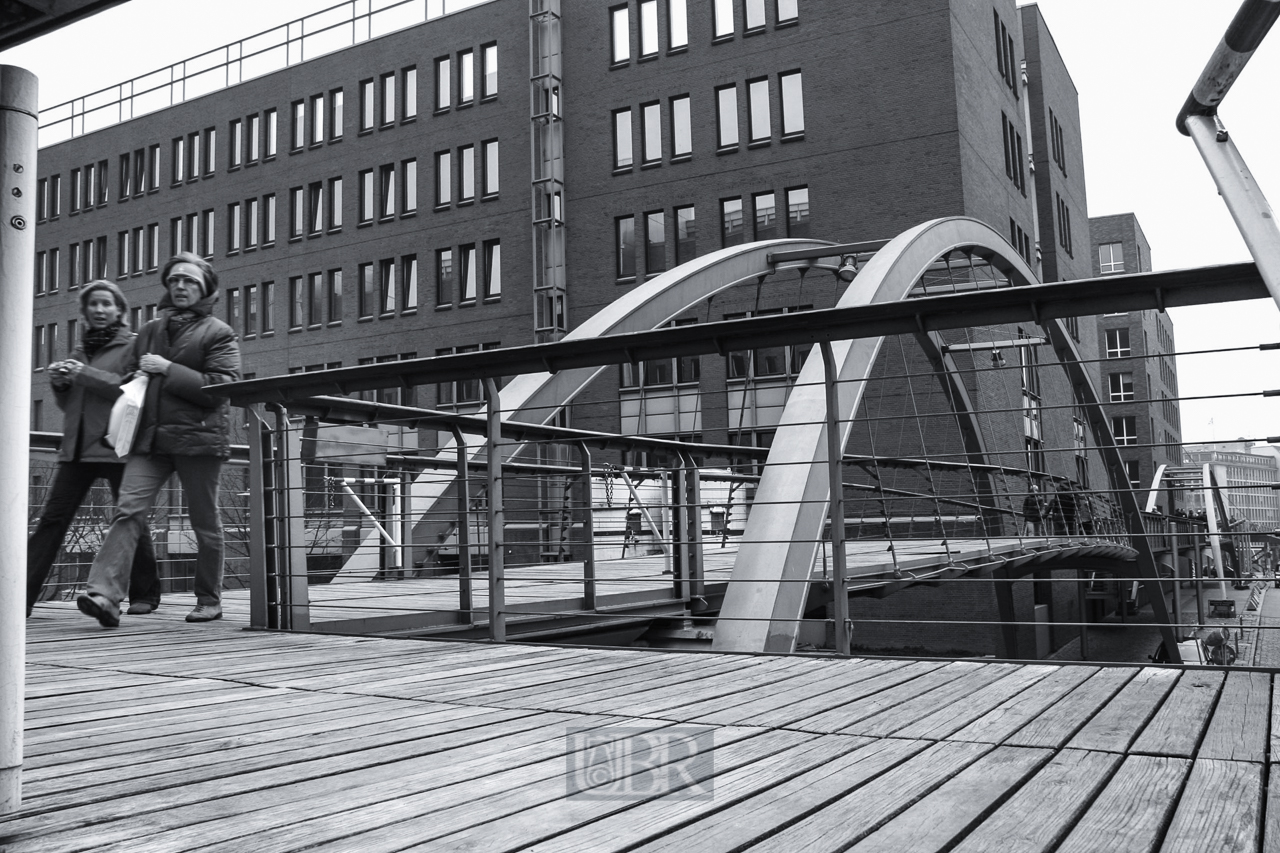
(125,413)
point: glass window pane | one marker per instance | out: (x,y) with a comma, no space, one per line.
(626,247)
(652,117)
(444,181)
(731,221)
(686,234)
(723,12)
(467,173)
(798,212)
(622,156)
(678,23)
(766,217)
(681,130)
(755,14)
(490,70)
(468,272)
(655,242)
(491,182)
(727,115)
(648,27)
(792,103)
(444,83)
(758,92)
(620,22)
(788,10)
(466,77)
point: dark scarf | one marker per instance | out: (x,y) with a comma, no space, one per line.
(95,339)
(178,319)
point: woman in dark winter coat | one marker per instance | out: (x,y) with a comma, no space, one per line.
(181,429)
(85,386)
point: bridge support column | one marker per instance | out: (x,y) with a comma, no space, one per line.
(1008,614)
(835,473)
(497,517)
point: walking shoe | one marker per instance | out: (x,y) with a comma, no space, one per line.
(107,614)
(140,608)
(205,613)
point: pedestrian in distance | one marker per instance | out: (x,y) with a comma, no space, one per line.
(182,429)
(1032,512)
(85,386)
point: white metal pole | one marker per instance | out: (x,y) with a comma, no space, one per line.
(17,256)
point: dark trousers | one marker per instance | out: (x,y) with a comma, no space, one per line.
(70,485)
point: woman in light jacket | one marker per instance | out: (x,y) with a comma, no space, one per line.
(85,386)
(182,429)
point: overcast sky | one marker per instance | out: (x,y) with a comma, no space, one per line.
(1133,62)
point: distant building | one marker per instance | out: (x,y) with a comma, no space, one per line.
(1246,472)
(1139,375)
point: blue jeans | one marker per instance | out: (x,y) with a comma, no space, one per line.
(143,478)
(70,484)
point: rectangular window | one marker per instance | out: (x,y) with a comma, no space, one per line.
(1121,387)
(74,186)
(753,15)
(758,110)
(364,297)
(210,146)
(74,271)
(268,307)
(444,277)
(1111,258)
(335,203)
(41,271)
(622,155)
(677,24)
(489,71)
(252,227)
(788,10)
(317,119)
(409,93)
(387,95)
(1064,225)
(620,33)
(269,219)
(125,190)
(466,78)
(1125,429)
(387,191)
(648,27)
(722,18)
(235,143)
(135,258)
(233,308)
(122,260)
(366,196)
(206,233)
(766,216)
(444,83)
(297,302)
(233,227)
(731,229)
(489,166)
(315,300)
(297,215)
(334,297)
(179,166)
(408,284)
(315,207)
(335,114)
(298,132)
(1118,343)
(270,132)
(250,310)
(387,287)
(686,234)
(651,132)
(466,173)
(727,116)
(193,156)
(467,271)
(153,246)
(792,87)
(655,242)
(681,127)
(492,269)
(367,106)
(798,212)
(408,186)
(444,178)
(625,246)
(140,175)
(252,138)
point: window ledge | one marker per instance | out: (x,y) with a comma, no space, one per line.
(368,223)
(439,111)
(798,136)
(623,170)
(409,119)
(681,158)
(759,143)
(444,307)
(488,99)
(490,300)
(364,319)
(722,39)
(333,323)
(754,31)
(467,303)
(630,279)
(440,208)
(489,197)
(644,167)
(467,202)
(409,214)
(615,66)
(648,57)
(728,149)
(790,22)
(675,51)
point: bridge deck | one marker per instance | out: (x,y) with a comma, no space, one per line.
(356,604)
(163,736)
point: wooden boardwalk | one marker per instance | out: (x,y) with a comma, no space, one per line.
(163,736)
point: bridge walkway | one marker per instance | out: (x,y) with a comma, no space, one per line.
(164,736)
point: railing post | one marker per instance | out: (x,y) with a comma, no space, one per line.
(464,527)
(259,532)
(295,609)
(17,261)
(497,569)
(588,532)
(835,455)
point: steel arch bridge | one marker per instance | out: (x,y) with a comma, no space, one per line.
(766,597)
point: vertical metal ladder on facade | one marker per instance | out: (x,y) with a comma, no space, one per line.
(547,153)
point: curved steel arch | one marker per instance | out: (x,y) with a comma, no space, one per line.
(770,582)
(537,397)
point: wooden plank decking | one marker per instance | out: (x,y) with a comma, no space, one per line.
(163,736)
